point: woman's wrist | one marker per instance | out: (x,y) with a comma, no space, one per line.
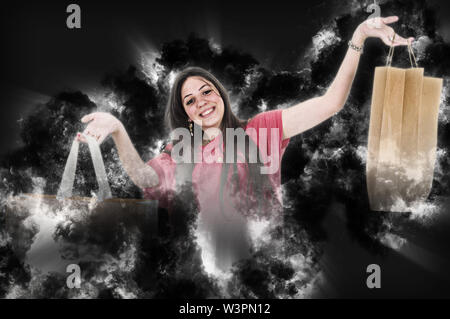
(359,37)
(118,130)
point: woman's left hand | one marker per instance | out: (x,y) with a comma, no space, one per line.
(378,28)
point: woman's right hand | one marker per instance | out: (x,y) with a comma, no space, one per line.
(100,126)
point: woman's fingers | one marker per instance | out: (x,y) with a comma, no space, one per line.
(389,20)
(398,40)
(104,134)
(88,118)
(89,131)
(100,125)
(404,41)
(80,138)
(393,38)
(100,138)
(390,38)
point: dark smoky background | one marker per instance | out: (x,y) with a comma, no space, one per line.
(268,55)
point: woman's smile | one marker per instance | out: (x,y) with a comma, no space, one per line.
(208,112)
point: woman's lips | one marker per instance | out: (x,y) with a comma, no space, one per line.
(207,113)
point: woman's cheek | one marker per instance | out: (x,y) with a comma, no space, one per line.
(191,112)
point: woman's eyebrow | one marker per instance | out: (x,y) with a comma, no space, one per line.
(198,89)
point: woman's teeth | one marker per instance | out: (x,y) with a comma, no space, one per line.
(204,114)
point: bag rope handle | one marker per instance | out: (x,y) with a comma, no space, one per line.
(67,181)
(410,53)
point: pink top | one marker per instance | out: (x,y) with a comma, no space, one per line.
(206,176)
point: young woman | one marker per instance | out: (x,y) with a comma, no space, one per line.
(228,191)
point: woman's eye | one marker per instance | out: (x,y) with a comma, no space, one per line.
(207,92)
(189,102)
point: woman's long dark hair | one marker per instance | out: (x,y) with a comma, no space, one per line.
(176,117)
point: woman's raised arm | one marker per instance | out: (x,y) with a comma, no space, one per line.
(307,114)
(103,124)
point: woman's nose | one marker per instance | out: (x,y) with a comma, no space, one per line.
(201,102)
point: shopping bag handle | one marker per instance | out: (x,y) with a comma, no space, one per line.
(66,186)
(410,53)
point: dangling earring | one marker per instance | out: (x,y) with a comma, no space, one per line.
(190,128)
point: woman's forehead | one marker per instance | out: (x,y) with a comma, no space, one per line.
(193,83)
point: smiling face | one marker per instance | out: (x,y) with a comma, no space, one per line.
(202,102)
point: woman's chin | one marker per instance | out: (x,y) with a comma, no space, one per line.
(210,122)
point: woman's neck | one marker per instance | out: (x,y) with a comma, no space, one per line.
(212,135)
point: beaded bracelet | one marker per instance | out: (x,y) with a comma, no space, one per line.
(354,47)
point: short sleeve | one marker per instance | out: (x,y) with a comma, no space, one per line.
(269,120)
(164,166)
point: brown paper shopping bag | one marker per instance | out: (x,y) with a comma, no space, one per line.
(98,220)
(402,136)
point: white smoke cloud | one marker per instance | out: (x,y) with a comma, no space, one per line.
(444,107)
(215,46)
(151,67)
(392,241)
(420,45)
(323,39)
